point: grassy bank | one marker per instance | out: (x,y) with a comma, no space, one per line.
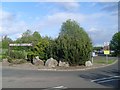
(102,60)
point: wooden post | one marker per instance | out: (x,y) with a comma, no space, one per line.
(8,50)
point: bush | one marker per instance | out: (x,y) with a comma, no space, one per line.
(17,54)
(19,61)
(10,60)
(4,53)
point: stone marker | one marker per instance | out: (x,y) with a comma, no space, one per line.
(51,63)
(63,64)
(88,63)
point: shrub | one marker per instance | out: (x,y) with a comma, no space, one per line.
(19,61)
(17,54)
(10,60)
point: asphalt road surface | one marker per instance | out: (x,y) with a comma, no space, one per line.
(106,77)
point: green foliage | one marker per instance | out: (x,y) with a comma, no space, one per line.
(10,60)
(17,54)
(115,43)
(41,48)
(16,61)
(4,53)
(0,44)
(36,38)
(28,37)
(5,42)
(19,61)
(97,48)
(73,44)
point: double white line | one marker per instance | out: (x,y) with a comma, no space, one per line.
(102,80)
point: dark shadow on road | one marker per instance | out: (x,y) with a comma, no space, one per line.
(103,74)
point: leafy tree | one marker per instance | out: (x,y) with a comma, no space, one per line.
(40,49)
(97,48)
(26,37)
(36,38)
(26,33)
(73,43)
(5,42)
(115,43)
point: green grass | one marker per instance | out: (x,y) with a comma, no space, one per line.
(102,60)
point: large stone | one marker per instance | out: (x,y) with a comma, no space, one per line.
(37,57)
(5,62)
(67,64)
(88,63)
(63,64)
(51,63)
(39,63)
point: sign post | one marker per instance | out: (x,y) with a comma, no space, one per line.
(19,44)
(106,50)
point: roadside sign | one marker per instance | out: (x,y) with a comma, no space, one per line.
(106,52)
(23,44)
(106,48)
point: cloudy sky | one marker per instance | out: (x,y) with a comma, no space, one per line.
(99,19)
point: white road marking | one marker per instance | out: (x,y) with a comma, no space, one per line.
(101,79)
(107,80)
(60,87)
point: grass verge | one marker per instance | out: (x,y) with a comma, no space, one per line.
(103,61)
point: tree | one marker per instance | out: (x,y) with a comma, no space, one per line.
(115,43)
(5,42)
(41,49)
(26,33)
(73,43)
(26,38)
(36,38)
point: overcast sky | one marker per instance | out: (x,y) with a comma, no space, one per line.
(99,19)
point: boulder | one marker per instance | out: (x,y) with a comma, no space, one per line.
(67,64)
(63,64)
(88,63)
(5,62)
(34,60)
(51,63)
(37,57)
(39,63)
(60,63)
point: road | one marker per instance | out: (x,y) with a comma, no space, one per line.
(96,78)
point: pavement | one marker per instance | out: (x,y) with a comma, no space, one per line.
(104,77)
